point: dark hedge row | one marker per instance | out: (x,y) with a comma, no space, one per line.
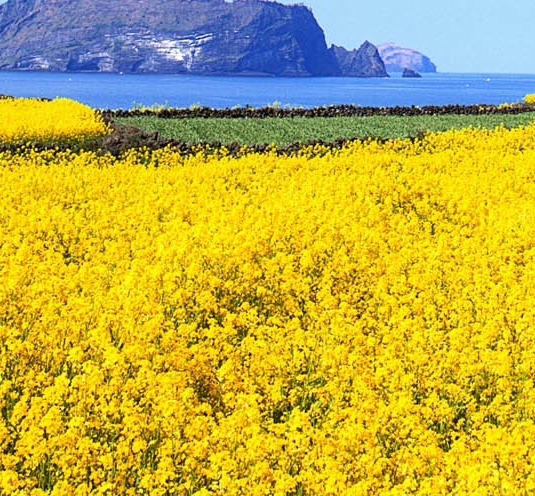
(330,111)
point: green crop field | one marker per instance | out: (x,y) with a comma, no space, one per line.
(283,131)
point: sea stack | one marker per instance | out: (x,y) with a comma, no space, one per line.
(410,73)
(362,62)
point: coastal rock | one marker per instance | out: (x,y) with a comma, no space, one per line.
(410,73)
(397,58)
(210,37)
(362,62)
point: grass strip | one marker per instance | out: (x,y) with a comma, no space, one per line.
(282,132)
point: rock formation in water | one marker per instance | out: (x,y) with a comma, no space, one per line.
(410,73)
(398,58)
(363,62)
(212,37)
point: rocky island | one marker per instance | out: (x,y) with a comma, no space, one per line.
(410,73)
(212,37)
(397,58)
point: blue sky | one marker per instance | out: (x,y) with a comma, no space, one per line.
(458,35)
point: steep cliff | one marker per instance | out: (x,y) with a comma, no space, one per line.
(363,62)
(240,37)
(397,58)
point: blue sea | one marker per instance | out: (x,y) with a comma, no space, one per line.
(114,91)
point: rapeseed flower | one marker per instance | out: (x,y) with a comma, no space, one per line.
(53,121)
(353,322)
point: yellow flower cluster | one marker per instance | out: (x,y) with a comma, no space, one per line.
(60,120)
(349,322)
(529,99)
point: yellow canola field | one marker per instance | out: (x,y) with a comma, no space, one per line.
(355,322)
(59,120)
